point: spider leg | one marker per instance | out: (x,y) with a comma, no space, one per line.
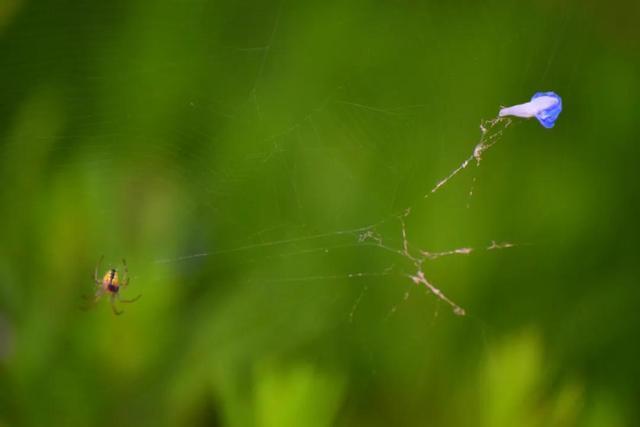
(92,300)
(113,305)
(125,275)
(95,274)
(129,300)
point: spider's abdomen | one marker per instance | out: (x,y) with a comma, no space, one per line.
(110,281)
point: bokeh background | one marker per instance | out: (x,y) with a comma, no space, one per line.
(235,152)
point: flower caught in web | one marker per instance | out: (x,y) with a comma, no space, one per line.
(544,106)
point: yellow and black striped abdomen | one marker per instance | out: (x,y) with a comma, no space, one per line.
(110,281)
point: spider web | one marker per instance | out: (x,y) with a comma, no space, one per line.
(282,176)
(369,235)
(323,178)
(212,153)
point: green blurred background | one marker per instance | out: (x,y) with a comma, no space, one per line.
(232,153)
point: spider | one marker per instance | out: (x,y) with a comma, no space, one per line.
(111,284)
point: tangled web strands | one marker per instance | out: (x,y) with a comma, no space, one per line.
(491,132)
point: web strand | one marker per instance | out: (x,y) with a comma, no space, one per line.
(491,132)
(370,235)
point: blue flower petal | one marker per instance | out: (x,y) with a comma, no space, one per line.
(548,116)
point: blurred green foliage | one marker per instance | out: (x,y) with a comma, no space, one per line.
(232,153)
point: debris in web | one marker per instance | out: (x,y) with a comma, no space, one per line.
(491,131)
(545,106)
(419,277)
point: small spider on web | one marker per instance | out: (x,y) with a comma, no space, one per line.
(111,284)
